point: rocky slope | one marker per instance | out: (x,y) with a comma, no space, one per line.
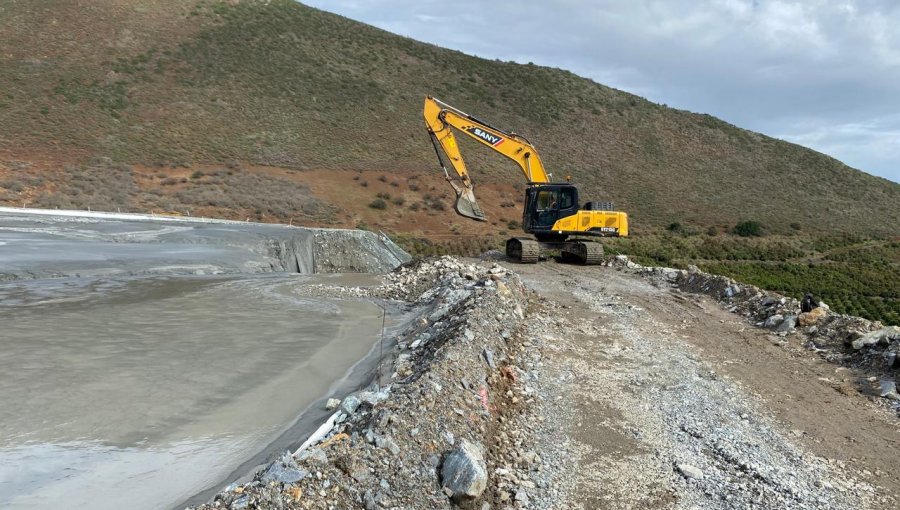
(565,387)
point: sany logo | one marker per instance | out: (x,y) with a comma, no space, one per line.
(490,138)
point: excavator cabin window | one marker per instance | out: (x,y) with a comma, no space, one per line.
(566,198)
(547,200)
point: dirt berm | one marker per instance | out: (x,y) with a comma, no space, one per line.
(585,387)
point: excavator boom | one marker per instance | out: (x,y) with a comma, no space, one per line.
(441,120)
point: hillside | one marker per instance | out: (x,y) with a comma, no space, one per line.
(171,91)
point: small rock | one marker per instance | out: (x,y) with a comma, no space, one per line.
(773,321)
(889,390)
(522,497)
(489,357)
(464,472)
(369,501)
(332,403)
(314,456)
(240,503)
(787,325)
(278,472)
(350,404)
(372,397)
(389,444)
(690,471)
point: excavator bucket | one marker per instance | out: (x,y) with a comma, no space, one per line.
(467,206)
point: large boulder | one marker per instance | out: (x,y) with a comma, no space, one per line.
(883,336)
(464,474)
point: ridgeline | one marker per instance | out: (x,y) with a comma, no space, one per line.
(170,84)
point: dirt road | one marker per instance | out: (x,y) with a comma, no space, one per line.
(668,400)
(554,387)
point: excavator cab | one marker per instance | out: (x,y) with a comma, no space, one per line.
(545,204)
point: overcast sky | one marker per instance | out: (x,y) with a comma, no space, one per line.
(824,74)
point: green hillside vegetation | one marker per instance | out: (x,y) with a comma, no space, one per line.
(853,274)
(279,83)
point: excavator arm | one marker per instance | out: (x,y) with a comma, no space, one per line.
(441,117)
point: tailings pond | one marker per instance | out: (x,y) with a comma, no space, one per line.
(146,362)
(140,393)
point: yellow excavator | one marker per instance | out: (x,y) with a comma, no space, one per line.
(552,212)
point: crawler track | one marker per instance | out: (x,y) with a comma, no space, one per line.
(528,251)
(523,250)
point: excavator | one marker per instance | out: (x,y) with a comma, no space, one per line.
(552,214)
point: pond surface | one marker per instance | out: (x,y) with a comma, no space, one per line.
(141,392)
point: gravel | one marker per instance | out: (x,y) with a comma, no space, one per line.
(551,391)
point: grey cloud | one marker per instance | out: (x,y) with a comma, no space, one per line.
(821,73)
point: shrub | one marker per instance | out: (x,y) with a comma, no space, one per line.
(12,185)
(712,231)
(384,196)
(382,178)
(399,200)
(675,227)
(378,203)
(748,229)
(196,175)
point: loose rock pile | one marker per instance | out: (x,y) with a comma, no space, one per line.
(844,339)
(435,436)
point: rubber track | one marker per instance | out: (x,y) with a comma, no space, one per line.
(531,252)
(594,254)
(585,252)
(523,250)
